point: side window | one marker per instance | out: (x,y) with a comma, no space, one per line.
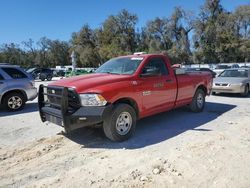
(14,73)
(156,65)
(1,77)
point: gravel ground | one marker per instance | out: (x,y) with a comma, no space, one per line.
(173,149)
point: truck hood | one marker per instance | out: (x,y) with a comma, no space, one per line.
(230,80)
(83,83)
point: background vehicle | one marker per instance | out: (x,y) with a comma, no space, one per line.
(200,70)
(75,73)
(234,66)
(220,68)
(121,91)
(245,66)
(16,87)
(41,73)
(233,81)
(60,73)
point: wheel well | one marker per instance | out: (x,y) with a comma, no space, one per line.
(203,88)
(130,102)
(14,91)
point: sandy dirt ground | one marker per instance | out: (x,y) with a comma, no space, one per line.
(173,149)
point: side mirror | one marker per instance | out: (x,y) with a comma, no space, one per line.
(179,71)
(148,72)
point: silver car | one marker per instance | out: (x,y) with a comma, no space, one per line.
(232,81)
(16,87)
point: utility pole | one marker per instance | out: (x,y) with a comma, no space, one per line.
(73,60)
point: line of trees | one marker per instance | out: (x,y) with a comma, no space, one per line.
(214,36)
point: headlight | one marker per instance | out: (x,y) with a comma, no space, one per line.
(92,100)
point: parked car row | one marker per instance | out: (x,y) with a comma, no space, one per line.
(70,72)
(41,73)
(221,67)
(201,70)
(215,71)
(17,85)
(229,80)
(75,73)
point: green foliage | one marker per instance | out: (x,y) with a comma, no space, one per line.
(49,54)
(58,53)
(117,35)
(217,36)
(222,36)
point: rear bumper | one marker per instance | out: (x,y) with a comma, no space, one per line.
(69,119)
(228,89)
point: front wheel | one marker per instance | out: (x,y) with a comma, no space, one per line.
(120,125)
(198,101)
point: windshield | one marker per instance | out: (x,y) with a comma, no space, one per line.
(122,65)
(234,73)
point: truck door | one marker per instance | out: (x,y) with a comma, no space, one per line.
(156,87)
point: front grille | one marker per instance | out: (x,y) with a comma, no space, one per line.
(73,101)
(53,97)
(221,84)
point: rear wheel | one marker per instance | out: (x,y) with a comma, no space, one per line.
(198,102)
(120,125)
(246,91)
(14,101)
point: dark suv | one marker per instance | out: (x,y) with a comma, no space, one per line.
(41,73)
(16,87)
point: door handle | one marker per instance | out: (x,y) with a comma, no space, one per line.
(169,80)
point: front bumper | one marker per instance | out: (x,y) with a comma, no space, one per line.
(70,120)
(228,89)
(84,116)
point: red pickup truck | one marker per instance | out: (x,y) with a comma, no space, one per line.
(120,92)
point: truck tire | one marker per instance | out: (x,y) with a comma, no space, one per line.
(42,76)
(246,91)
(14,101)
(49,77)
(121,123)
(198,101)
